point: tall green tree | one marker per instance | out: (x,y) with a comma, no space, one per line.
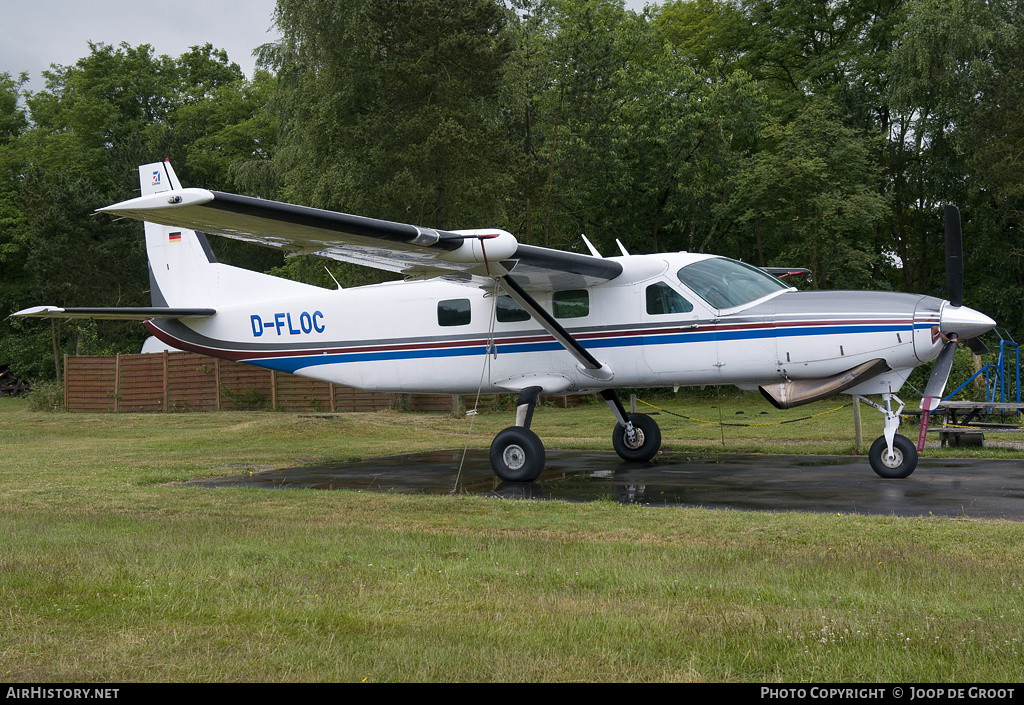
(708,34)
(13,282)
(390,108)
(633,139)
(991,135)
(79,148)
(586,45)
(813,198)
(13,120)
(954,77)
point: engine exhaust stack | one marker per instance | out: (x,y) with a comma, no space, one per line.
(791,393)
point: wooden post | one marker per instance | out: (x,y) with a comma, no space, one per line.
(55,338)
(64,382)
(117,382)
(856,426)
(273,390)
(216,379)
(166,385)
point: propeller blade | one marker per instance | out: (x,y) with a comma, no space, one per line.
(935,387)
(977,347)
(940,372)
(954,256)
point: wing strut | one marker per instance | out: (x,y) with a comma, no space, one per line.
(588,364)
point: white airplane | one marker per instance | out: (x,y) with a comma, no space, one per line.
(478,311)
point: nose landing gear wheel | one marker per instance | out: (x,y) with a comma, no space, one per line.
(517,455)
(901,465)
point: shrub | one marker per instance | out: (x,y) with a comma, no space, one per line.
(46,396)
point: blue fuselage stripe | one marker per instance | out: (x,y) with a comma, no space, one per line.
(297,362)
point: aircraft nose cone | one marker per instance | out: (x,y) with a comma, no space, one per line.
(965,322)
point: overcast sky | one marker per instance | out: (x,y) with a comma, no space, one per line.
(37,33)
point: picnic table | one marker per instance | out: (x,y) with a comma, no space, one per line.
(11,386)
(962,424)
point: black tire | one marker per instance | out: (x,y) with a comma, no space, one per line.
(517,455)
(904,464)
(648,439)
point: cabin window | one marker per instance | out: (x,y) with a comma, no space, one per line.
(572,303)
(509,311)
(663,299)
(453,312)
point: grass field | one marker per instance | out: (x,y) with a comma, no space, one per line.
(111,572)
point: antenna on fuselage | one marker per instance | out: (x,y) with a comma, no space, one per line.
(590,246)
(340,287)
(622,248)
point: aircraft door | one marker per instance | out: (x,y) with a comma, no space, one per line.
(679,341)
(746,348)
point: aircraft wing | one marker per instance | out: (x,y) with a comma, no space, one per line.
(470,256)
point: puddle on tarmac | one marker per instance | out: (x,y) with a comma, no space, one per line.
(845,484)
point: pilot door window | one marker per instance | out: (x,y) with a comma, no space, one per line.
(453,312)
(663,299)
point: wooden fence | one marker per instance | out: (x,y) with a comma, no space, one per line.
(182,381)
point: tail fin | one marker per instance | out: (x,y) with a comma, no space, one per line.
(180,261)
(157,178)
(183,271)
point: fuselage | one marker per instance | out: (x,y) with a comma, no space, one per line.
(661,323)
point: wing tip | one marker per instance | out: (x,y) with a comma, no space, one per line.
(37,312)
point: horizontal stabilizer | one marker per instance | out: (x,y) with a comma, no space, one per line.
(141,313)
(782,272)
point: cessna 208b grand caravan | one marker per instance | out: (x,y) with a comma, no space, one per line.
(478,311)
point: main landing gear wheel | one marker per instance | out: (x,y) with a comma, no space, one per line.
(898,467)
(646,441)
(517,455)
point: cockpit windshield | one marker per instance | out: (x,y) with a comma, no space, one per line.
(725,283)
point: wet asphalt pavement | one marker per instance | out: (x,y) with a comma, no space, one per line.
(979,488)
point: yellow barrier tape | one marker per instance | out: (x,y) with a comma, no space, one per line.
(720,423)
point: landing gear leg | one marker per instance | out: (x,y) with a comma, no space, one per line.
(891,455)
(517,454)
(636,436)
